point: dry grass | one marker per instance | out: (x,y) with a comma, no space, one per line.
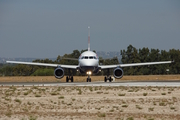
(83,78)
(92,103)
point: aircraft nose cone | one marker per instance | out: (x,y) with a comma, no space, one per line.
(88,63)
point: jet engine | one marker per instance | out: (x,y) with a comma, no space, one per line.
(59,73)
(118,73)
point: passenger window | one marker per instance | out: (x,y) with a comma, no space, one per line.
(91,57)
(86,57)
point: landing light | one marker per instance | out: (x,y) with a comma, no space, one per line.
(89,73)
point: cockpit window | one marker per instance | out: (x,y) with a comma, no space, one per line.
(88,57)
(91,57)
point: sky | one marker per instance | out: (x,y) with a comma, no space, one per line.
(48,28)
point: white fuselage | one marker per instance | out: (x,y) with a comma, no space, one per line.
(88,61)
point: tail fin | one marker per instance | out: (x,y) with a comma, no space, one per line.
(89,39)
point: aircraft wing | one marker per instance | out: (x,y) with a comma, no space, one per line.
(44,64)
(133,64)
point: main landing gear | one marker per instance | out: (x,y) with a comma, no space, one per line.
(107,78)
(69,78)
(88,79)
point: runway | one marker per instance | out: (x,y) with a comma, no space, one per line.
(100,83)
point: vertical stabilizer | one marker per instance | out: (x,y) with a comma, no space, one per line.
(89,39)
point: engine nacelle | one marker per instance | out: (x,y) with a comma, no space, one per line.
(59,73)
(118,73)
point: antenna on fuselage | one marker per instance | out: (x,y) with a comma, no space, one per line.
(89,39)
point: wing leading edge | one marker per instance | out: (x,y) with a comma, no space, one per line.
(44,64)
(133,64)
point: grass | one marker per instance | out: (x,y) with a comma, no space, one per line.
(37,95)
(163,93)
(61,97)
(101,115)
(8,114)
(130,90)
(32,118)
(125,106)
(54,93)
(99,92)
(130,118)
(162,104)
(112,110)
(18,101)
(91,89)
(83,78)
(145,94)
(150,109)
(121,94)
(150,118)
(172,108)
(26,93)
(79,91)
(138,107)
(105,105)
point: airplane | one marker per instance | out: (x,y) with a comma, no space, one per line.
(89,65)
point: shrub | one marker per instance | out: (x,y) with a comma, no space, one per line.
(144,94)
(162,104)
(101,115)
(125,106)
(37,95)
(121,94)
(17,100)
(61,97)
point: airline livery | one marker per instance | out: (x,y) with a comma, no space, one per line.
(89,64)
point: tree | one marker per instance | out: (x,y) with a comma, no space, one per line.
(175,67)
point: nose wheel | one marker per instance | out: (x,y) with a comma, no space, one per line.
(88,79)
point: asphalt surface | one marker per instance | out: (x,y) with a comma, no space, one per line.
(100,83)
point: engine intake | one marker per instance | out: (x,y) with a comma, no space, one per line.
(118,73)
(59,73)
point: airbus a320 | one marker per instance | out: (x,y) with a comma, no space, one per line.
(89,64)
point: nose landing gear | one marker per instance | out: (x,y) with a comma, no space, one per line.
(88,79)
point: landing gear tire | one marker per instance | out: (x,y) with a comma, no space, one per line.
(72,80)
(105,79)
(110,79)
(67,79)
(88,79)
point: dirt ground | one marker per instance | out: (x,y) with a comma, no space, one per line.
(83,78)
(119,103)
